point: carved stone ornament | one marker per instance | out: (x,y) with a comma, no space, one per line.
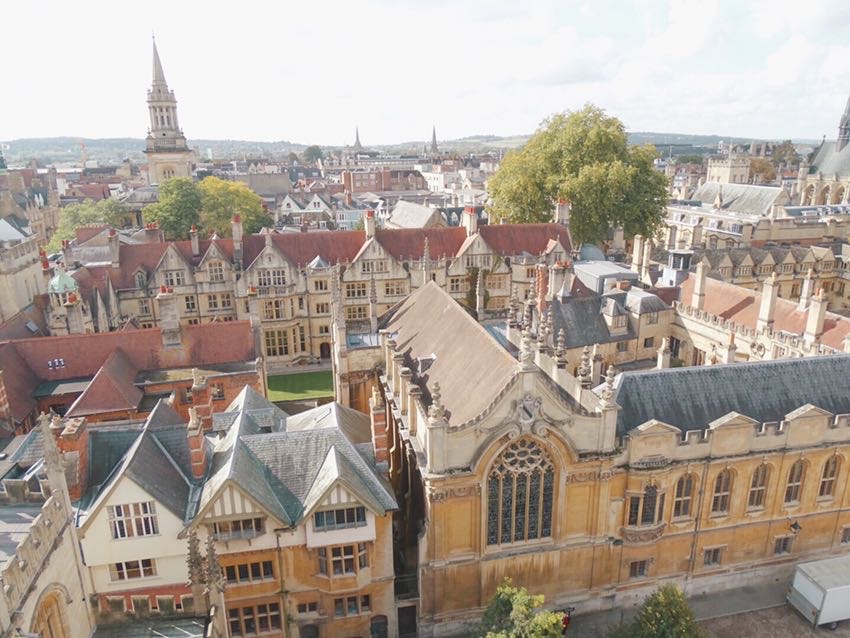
(647,534)
(440,494)
(527,416)
(757,349)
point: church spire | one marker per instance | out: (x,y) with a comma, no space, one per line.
(158,75)
(434,149)
(844,128)
(357,144)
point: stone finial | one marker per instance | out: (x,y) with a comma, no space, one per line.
(511,315)
(194,560)
(561,343)
(52,458)
(608,388)
(584,367)
(215,577)
(437,410)
(526,353)
(527,315)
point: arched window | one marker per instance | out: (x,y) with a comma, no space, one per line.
(758,486)
(379,627)
(140,279)
(519,494)
(722,492)
(684,496)
(647,509)
(827,479)
(795,482)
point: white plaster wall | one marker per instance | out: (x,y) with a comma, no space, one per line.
(100,549)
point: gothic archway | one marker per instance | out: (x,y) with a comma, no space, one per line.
(808,196)
(838,195)
(823,196)
(51,616)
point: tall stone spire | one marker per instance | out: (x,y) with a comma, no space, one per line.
(434,149)
(844,128)
(357,145)
(167,151)
(158,75)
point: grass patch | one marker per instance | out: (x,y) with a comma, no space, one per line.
(307,385)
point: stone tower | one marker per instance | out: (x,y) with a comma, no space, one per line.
(844,128)
(167,152)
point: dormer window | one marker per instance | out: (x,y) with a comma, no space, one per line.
(619,321)
(237,529)
(141,279)
(339,518)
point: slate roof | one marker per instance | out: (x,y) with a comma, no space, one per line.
(691,398)
(741,306)
(287,472)
(583,323)
(354,424)
(263,413)
(411,215)
(430,322)
(742,198)
(829,162)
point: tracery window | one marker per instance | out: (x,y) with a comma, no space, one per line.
(519,494)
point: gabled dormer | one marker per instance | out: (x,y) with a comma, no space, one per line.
(214,266)
(173,269)
(373,260)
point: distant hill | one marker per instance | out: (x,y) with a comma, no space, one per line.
(49,150)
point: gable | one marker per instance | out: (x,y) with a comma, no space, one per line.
(232,502)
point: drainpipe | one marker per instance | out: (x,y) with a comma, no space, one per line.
(284,611)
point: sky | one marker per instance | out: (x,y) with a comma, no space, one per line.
(309,72)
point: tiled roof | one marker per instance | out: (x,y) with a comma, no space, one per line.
(412,215)
(430,322)
(111,389)
(691,398)
(741,306)
(742,198)
(514,239)
(354,424)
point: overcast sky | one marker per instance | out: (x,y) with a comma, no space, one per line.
(310,71)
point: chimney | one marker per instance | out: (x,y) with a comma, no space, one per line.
(698,294)
(768,304)
(469,220)
(66,254)
(197,453)
(236,233)
(541,282)
(806,291)
(664,354)
(562,212)
(74,444)
(268,238)
(369,223)
(193,237)
(637,253)
(114,248)
(378,417)
(557,277)
(815,318)
(169,321)
(731,349)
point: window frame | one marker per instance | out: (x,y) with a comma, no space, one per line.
(721,496)
(132,520)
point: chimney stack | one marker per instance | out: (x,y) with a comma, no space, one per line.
(470,220)
(193,237)
(169,321)
(768,303)
(114,248)
(236,233)
(378,418)
(369,223)
(698,294)
(815,318)
(197,453)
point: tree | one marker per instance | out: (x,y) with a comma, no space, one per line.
(762,167)
(311,154)
(785,153)
(664,614)
(178,208)
(583,157)
(87,213)
(222,199)
(689,159)
(514,613)
(292,157)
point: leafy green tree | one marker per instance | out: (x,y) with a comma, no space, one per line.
(785,153)
(761,166)
(311,154)
(87,213)
(664,614)
(583,157)
(514,613)
(222,199)
(178,208)
(292,157)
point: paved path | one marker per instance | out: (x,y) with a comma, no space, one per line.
(706,606)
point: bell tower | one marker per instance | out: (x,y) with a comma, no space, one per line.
(167,151)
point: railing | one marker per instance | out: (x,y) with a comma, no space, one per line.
(406,586)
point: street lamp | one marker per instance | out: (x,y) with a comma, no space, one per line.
(795,528)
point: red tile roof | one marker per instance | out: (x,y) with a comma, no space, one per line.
(87,232)
(111,389)
(514,239)
(741,306)
(409,243)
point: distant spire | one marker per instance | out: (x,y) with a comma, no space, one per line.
(357,144)
(158,75)
(434,149)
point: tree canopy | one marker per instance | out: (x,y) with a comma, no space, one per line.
(785,153)
(74,216)
(664,614)
(582,157)
(514,613)
(689,159)
(222,199)
(311,154)
(178,208)
(762,167)
(209,204)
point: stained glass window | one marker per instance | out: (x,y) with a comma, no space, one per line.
(520,490)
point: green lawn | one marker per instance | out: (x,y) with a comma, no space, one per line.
(308,385)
